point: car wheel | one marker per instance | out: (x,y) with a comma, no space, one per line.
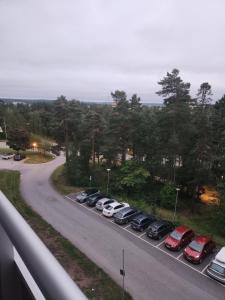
(200,260)
(142,229)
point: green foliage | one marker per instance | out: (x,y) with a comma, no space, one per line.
(168,196)
(133,176)
(18,139)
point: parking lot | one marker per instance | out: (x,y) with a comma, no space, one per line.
(157,244)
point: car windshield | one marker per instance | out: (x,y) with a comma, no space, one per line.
(176,235)
(196,246)
(108,207)
(217,268)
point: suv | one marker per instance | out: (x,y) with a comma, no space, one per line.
(179,238)
(159,228)
(141,222)
(216,269)
(126,215)
(81,197)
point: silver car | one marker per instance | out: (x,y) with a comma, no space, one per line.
(102,203)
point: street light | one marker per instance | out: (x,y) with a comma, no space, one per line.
(108,170)
(175,208)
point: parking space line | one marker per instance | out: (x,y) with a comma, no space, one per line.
(159,244)
(127,226)
(202,271)
(178,257)
(140,236)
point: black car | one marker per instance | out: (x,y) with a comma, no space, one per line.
(93,199)
(141,222)
(126,215)
(159,228)
(19,156)
(83,196)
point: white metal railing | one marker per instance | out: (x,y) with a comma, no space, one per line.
(49,276)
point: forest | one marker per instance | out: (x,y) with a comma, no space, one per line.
(150,151)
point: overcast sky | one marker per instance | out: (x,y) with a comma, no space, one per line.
(86,49)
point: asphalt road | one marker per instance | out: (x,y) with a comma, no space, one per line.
(150,273)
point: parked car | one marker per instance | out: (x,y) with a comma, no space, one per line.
(102,203)
(7,156)
(81,197)
(113,208)
(126,215)
(19,156)
(93,199)
(199,248)
(159,228)
(142,221)
(179,238)
(216,269)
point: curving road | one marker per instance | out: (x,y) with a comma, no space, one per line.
(150,274)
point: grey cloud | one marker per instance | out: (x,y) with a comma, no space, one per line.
(86,49)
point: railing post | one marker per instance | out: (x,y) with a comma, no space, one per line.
(9,285)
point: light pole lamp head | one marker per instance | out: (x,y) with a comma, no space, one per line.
(108,170)
(177,189)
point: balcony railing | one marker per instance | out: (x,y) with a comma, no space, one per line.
(27,268)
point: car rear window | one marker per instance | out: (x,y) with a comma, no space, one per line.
(136,221)
(109,207)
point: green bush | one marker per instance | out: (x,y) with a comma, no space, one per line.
(168,196)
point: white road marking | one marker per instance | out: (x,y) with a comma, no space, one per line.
(159,244)
(205,268)
(141,235)
(127,226)
(179,255)
(152,245)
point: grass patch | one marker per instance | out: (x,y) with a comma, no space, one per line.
(60,183)
(94,282)
(38,157)
(6,150)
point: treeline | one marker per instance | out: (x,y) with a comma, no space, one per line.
(181,143)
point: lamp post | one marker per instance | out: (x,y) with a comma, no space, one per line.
(108,171)
(175,208)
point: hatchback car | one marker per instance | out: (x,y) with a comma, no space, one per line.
(93,199)
(102,203)
(199,248)
(179,238)
(216,268)
(113,208)
(141,222)
(159,228)
(126,215)
(82,196)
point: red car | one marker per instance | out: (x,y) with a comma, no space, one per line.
(179,238)
(199,248)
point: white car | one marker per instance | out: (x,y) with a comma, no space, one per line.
(113,208)
(102,203)
(7,156)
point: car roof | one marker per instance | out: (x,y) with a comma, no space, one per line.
(126,209)
(102,200)
(159,223)
(113,204)
(182,229)
(220,256)
(141,217)
(202,239)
